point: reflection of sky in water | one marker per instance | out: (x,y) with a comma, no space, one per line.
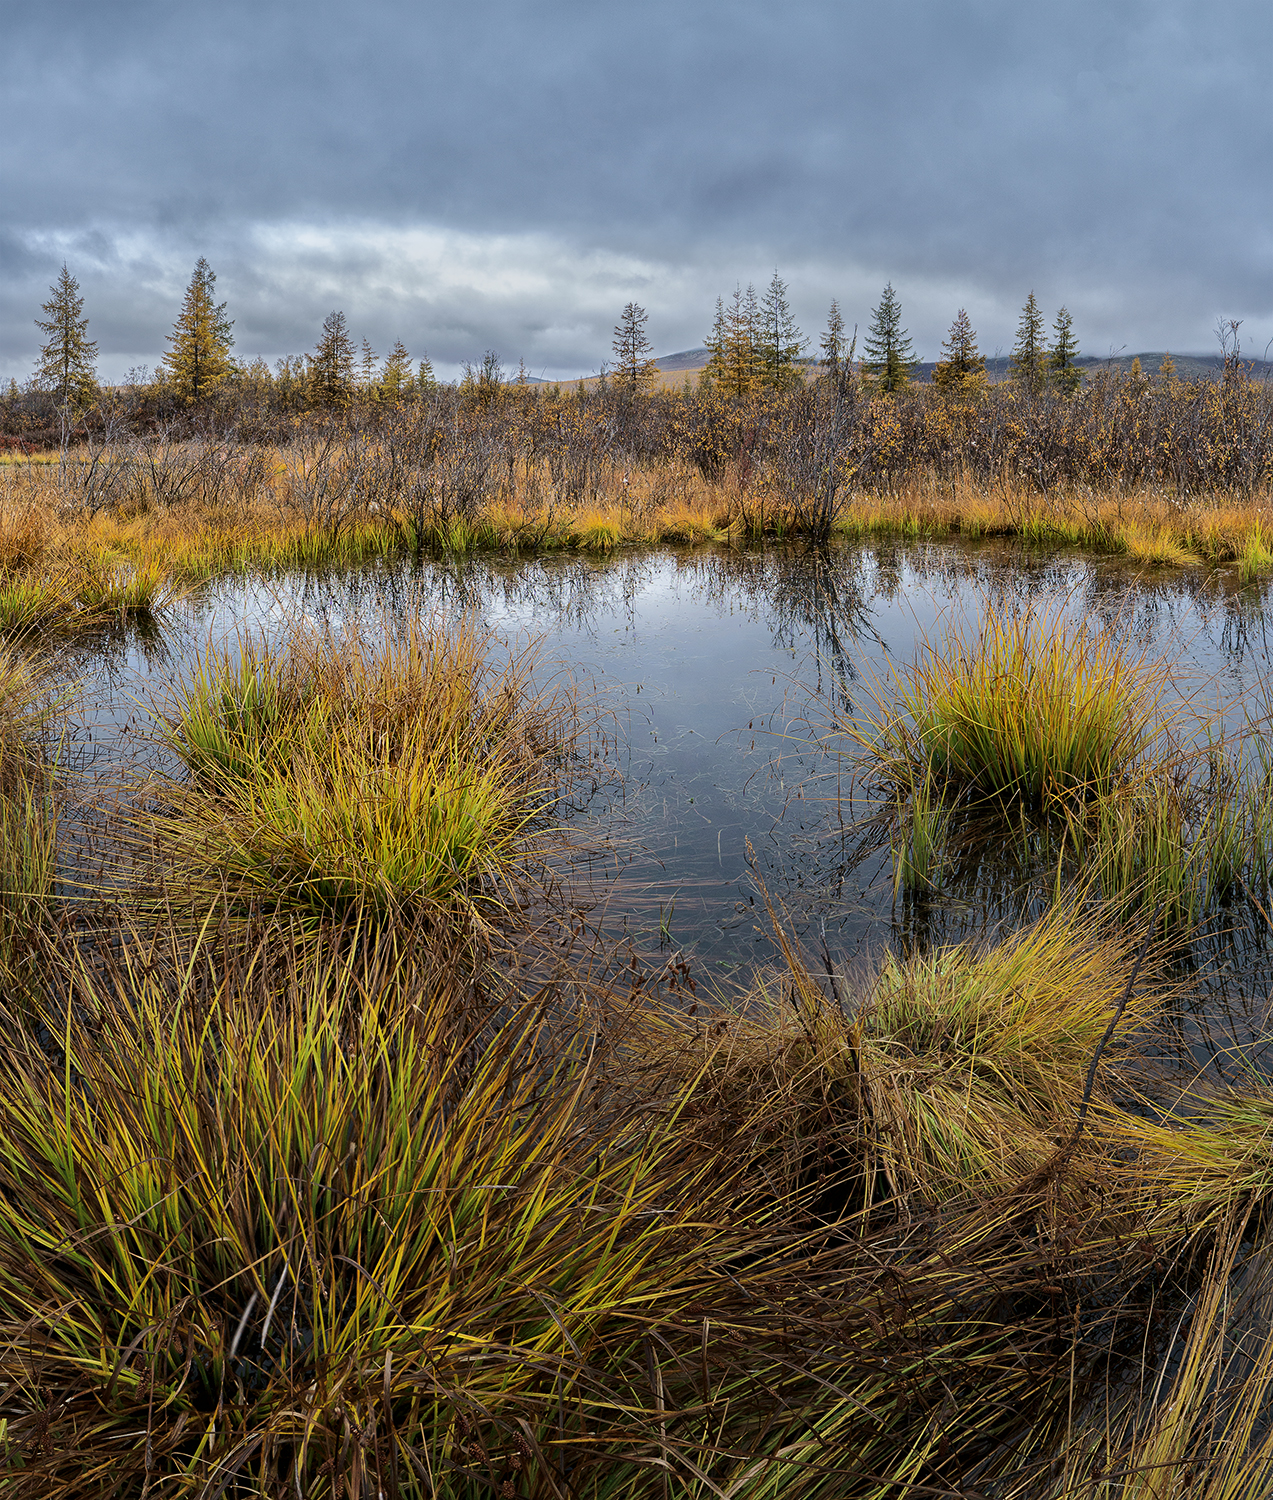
(716,667)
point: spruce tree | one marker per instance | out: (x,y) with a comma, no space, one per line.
(1064,374)
(66,361)
(634,369)
(780,342)
(963,371)
(331,366)
(715,346)
(837,355)
(199,359)
(889,355)
(426,379)
(367,369)
(1028,362)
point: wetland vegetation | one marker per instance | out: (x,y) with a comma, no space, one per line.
(603,944)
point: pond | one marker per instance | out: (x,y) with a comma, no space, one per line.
(720,673)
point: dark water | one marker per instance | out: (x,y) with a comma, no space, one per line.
(720,673)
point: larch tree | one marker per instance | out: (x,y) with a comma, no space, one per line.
(781,342)
(736,366)
(1063,373)
(331,366)
(395,378)
(635,369)
(888,354)
(199,359)
(66,365)
(1027,364)
(963,371)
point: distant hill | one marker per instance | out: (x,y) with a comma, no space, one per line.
(687,359)
(1188,366)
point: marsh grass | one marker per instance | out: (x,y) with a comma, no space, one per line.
(1256,557)
(299,1210)
(921,833)
(1031,709)
(408,775)
(946,1074)
(273,1225)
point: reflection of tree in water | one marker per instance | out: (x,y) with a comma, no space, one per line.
(810,596)
(569,593)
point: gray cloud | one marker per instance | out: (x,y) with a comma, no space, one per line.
(508,175)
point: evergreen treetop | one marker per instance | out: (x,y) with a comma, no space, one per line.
(780,341)
(837,355)
(635,368)
(963,371)
(736,366)
(1064,374)
(1027,364)
(199,359)
(331,366)
(888,353)
(367,370)
(395,378)
(66,360)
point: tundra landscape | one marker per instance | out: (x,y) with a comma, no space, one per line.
(636,751)
(402,1097)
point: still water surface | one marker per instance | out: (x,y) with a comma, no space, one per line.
(719,673)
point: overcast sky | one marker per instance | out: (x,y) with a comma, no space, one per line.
(507,175)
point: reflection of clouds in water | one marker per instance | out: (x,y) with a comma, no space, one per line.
(720,667)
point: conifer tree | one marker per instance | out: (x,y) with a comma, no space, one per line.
(367,369)
(1064,374)
(889,355)
(395,378)
(832,341)
(963,371)
(736,365)
(780,342)
(1167,366)
(66,361)
(426,379)
(635,368)
(199,359)
(331,366)
(837,356)
(1028,362)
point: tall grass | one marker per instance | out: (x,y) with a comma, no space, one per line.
(312,1234)
(1031,708)
(405,776)
(301,1212)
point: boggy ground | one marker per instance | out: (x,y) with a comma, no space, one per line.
(118,527)
(337,1159)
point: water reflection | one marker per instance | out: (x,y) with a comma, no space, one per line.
(722,671)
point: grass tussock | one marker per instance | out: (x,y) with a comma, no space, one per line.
(948,1074)
(271,1227)
(1031,709)
(406,776)
(294,1210)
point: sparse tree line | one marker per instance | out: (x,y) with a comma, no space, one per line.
(763,413)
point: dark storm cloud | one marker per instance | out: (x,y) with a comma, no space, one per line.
(506,175)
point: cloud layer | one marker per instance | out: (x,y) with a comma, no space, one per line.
(507,176)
